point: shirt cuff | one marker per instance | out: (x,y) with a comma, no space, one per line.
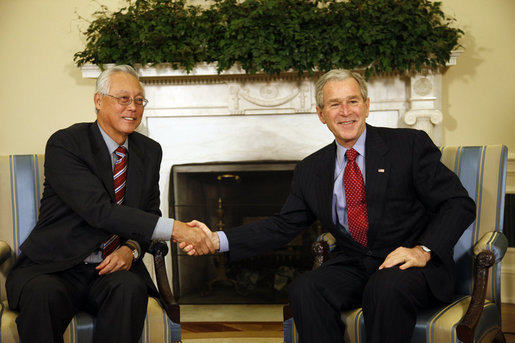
(164,229)
(224,242)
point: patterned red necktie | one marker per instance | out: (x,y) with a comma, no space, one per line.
(119,178)
(355,196)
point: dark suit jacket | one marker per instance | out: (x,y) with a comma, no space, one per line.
(412,198)
(78,210)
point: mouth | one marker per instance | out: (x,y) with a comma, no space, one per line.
(347,122)
(129,118)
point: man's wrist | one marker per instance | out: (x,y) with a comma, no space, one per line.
(135,248)
(426,249)
(177,229)
(427,252)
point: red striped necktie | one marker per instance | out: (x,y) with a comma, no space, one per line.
(120,179)
(355,197)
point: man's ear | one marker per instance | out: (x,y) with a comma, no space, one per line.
(320,115)
(97,100)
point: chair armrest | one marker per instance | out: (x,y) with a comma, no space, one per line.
(5,252)
(320,249)
(159,249)
(490,249)
(493,241)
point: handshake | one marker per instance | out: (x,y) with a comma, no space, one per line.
(195,238)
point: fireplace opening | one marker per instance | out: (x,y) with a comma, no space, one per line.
(225,195)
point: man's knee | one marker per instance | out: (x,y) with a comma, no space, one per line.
(393,285)
(301,287)
(125,285)
(44,291)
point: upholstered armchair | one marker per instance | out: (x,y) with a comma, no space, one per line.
(21,186)
(475,314)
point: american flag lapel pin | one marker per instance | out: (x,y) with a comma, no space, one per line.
(380,170)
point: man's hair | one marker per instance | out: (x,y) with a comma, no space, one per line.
(104,80)
(339,75)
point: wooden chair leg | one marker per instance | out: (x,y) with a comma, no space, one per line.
(467,326)
(499,338)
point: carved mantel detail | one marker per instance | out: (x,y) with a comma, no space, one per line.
(272,95)
(424,112)
(396,101)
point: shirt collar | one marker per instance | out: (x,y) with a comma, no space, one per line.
(111,144)
(359,146)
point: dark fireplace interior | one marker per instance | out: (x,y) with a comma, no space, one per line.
(224,195)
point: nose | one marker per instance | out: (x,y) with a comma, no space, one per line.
(132,105)
(344,109)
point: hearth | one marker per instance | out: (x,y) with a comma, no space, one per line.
(225,195)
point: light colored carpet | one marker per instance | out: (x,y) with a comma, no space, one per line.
(231,313)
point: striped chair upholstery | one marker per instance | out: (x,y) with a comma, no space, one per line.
(21,186)
(482,170)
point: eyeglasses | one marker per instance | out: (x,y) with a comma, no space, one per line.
(127,100)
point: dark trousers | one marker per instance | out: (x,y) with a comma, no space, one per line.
(390,299)
(48,303)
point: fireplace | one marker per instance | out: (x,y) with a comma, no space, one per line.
(224,195)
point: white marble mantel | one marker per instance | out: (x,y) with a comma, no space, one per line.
(204,117)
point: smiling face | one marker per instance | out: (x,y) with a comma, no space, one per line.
(344,111)
(118,121)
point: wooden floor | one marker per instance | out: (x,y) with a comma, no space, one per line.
(272,332)
(508,322)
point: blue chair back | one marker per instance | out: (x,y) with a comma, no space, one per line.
(482,171)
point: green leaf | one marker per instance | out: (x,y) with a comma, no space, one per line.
(273,36)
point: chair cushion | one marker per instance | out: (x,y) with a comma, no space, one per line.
(158,328)
(355,328)
(435,324)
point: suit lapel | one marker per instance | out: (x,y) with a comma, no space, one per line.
(101,159)
(377,169)
(325,175)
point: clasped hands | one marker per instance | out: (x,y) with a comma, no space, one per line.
(195,238)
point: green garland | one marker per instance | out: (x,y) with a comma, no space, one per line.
(274,36)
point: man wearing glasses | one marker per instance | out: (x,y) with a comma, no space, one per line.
(98,215)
